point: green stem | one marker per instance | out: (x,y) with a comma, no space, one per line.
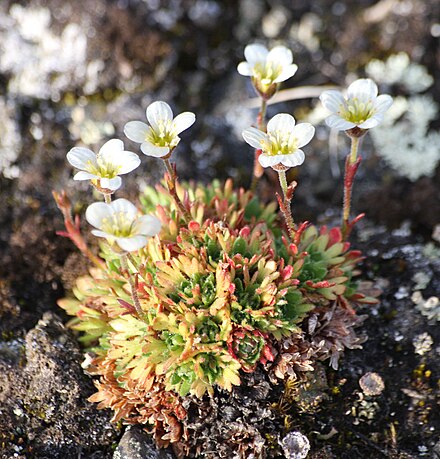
(287,211)
(107,198)
(258,170)
(354,149)
(134,295)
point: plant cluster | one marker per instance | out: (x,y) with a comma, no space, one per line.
(199,291)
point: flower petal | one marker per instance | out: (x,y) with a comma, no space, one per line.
(286,73)
(383,103)
(184,121)
(255,53)
(372,122)
(124,206)
(158,112)
(254,137)
(282,122)
(280,55)
(244,69)
(152,150)
(126,161)
(293,159)
(83,175)
(148,225)
(336,122)
(136,131)
(100,233)
(97,212)
(130,244)
(332,100)
(304,133)
(111,146)
(269,160)
(363,89)
(111,184)
(80,157)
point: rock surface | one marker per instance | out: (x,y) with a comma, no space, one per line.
(43,398)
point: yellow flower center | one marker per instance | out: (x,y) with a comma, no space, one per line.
(103,168)
(164,135)
(118,225)
(266,72)
(279,143)
(356,111)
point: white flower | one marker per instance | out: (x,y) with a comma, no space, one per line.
(105,167)
(361,108)
(267,67)
(119,221)
(282,143)
(161,136)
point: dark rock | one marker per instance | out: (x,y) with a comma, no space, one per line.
(44,394)
(136,444)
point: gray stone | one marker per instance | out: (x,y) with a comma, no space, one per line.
(137,444)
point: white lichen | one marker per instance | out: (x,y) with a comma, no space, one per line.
(40,63)
(10,140)
(422,343)
(404,139)
(429,308)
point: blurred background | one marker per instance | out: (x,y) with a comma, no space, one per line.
(73,73)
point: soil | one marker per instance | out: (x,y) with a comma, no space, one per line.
(185,52)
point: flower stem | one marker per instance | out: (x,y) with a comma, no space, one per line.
(107,198)
(350,171)
(134,295)
(286,207)
(171,183)
(258,169)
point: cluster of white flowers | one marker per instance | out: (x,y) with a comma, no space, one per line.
(360,108)
(117,221)
(43,64)
(280,144)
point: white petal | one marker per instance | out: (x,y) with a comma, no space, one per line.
(372,122)
(148,225)
(125,160)
(282,122)
(111,146)
(383,103)
(100,233)
(286,73)
(82,175)
(97,212)
(184,121)
(124,206)
(255,53)
(304,133)
(130,244)
(332,100)
(244,68)
(152,150)
(336,122)
(269,160)
(136,131)
(363,89)
(293,159)
(254,137)
(111,184)
(157,112)
(79,157)
(280,55)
